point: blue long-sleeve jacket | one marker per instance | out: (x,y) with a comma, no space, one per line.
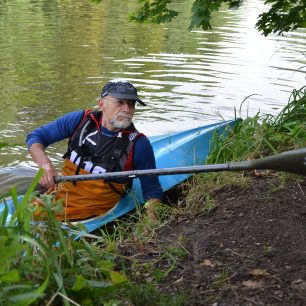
(63,128)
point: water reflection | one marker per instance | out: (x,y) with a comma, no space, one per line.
(56,55)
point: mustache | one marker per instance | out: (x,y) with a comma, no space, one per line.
(124,115)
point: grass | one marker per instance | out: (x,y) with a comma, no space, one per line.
(43,264)
(220,280)
(264,135)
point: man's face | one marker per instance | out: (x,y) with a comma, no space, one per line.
(117,113)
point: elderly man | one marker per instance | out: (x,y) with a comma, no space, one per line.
(99,141)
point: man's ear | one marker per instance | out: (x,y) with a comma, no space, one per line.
(100,104)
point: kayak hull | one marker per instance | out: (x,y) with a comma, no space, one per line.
(179,149)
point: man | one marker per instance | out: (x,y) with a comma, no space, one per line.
(99,141)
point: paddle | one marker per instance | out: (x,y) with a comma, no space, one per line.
(291,161)
(20,177)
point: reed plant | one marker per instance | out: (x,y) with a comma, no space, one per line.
(264,134)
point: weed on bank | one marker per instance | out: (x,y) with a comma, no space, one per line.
(263,135)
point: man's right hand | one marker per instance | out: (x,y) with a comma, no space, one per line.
(47,179)
(37,151)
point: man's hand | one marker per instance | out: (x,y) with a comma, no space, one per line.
(151,207)
(47,179)
(39,155)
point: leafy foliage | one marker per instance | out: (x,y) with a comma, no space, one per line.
(154,11)
(202,11)
(283,16)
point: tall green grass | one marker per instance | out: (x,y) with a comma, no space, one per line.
(262,135)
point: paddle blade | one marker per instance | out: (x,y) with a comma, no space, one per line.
(291,161)
(20,177)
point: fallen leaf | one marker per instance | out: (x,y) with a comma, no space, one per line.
(208,263)
(253,284)
(258,173)
(258,272)
(299,285)
(178,280)
(279,293)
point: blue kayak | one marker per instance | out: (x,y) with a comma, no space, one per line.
(179,149)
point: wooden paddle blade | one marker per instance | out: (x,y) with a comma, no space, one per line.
(291,161)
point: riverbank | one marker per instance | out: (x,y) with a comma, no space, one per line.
(248,250)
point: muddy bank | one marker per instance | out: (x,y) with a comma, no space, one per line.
(251,250)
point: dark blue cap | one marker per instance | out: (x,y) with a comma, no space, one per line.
(121,89)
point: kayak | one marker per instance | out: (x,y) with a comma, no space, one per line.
(178,149)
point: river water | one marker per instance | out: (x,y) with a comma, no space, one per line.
(55,55)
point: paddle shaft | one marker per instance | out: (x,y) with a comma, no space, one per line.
(291,161)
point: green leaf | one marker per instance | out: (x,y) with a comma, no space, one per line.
(9,248)
(21,213)
(25,298)
(283,15)
(155,12)
(98,284)
(62,235)
(10,276)
(79,284)
(4,214)
(106,265)
(117,277)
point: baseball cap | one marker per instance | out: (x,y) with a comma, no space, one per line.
(121,89)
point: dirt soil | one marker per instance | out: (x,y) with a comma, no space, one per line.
(251,250)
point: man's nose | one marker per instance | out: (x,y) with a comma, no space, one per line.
(125,107)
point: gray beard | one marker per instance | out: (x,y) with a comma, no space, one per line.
(123,124)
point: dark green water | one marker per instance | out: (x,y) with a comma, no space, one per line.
(56,55)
